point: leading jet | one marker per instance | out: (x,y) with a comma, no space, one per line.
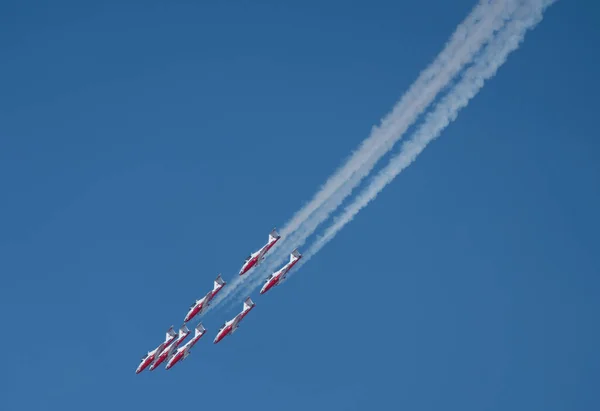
(257,257)
(279,276)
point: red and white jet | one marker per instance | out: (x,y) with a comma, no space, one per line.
(164,354)
(151,356)
(183,352)
(200,305)
(279,276)
(255,258)
(230,326)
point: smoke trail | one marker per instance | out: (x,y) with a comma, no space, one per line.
(474,32)
(446,111)
(465,41)
(471,35)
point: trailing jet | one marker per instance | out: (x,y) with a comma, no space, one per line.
(255,258)
(279,276)
(230,326)
(183,352)
(151,356)
(164,354)
(201,305)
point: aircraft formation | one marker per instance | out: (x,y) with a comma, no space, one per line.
(171,351)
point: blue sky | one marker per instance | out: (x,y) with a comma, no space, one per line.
(146,147)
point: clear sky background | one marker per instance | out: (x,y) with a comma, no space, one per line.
(147,146)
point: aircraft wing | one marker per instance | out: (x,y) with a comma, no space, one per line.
(158,350)
(236,322)
(172,350)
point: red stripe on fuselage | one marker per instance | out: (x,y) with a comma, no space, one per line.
(160,359)
(175,359)
(271,244)
(224,332)
(194,341)
(269,285)
(168,343)
(275,280)
(244,313)
(254,260)
(293,263)
(146,363)
(249,265)
(192,313)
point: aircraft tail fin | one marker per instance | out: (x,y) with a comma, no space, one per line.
(248,304)
(218,283)
(170,334)
(200,329)
(183,331)
(295,255)
(274,235)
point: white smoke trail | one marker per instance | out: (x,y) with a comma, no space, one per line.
(471,35)
(474,32)
(468,38)
(464,42)
(446,111)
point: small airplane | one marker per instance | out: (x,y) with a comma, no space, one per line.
(255,258)
(201,305)
(230,326)
(183,352)
(151,356)
(164,354)
(279,276)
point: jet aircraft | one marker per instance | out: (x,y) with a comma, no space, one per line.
(279,276)
(257,257)
(232,325)
(201,305)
